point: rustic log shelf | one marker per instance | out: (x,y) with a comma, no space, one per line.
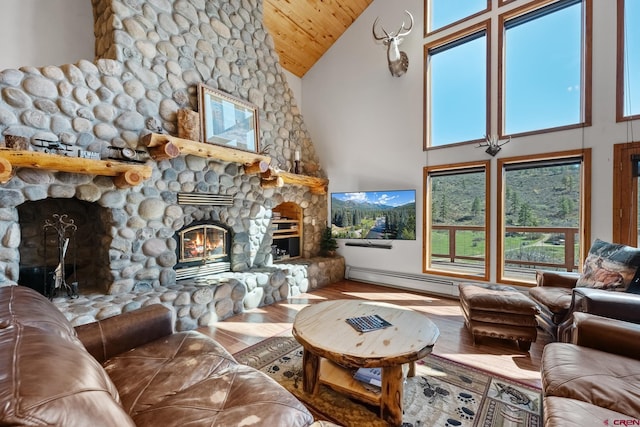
(168,147)
(126,174)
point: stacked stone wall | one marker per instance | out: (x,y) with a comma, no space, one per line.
(151,56)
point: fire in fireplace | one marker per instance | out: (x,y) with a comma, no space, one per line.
(202,249)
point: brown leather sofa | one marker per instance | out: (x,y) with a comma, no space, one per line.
(595,379)
(558,297)
(126,370)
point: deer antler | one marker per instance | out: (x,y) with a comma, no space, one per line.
(406,30)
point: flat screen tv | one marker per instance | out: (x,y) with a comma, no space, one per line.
(372,215)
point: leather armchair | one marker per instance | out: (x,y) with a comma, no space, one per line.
(589,380)
(558,299)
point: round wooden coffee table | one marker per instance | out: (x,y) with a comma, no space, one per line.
(331,344)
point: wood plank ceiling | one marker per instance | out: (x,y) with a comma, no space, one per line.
(303,30)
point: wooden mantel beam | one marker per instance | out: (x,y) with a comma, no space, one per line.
(157,142)
(126,174)
(316,185)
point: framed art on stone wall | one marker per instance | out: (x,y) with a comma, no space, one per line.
(227,121)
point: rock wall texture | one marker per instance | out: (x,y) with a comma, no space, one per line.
(150,57)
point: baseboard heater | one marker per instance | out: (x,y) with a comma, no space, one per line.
(370,245)
(419,282)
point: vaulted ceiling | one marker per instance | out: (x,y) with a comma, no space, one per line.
(303,30)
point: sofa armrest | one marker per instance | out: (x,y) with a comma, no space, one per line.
(605,334)
(616,305)
(114,335)
(557,279)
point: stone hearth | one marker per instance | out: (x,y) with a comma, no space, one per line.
(150,57)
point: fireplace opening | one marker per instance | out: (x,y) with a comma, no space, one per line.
(202,249)
(85,257)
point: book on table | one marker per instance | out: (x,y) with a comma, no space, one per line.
(372,376)
(368,323)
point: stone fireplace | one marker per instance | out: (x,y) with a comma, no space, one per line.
(150,57)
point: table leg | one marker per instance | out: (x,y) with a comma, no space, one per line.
(310,371)
(391,397)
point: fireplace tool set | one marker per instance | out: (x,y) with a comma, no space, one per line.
(64,229)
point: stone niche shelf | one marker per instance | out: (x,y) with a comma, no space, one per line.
(125,174)
(163,146)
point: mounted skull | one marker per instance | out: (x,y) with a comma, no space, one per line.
(398,61)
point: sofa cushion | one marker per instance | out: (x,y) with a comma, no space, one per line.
(189,379)
(564,412)
(603,379)
(23,305)
(557,300)
(50,380)
(610,266)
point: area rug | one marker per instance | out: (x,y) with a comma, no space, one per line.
(442,393)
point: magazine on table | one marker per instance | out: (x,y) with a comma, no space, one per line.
(372,376)
(368,323)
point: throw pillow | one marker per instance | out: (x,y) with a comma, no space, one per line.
(610,266)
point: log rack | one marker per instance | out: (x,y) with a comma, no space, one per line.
(169,147)
(125,174)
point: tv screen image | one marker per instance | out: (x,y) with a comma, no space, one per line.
(372,215)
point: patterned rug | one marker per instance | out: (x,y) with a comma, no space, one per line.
(443,393)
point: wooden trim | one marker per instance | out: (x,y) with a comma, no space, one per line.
(625,195)
(426,104)
(426,13)
(426,209)
(586,69)
(585,203)
(620,46)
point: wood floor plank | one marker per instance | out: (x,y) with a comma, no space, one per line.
(501,357)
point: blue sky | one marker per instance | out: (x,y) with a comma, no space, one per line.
(632,101)
(389,198)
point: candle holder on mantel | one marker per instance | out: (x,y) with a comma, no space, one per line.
(296,162)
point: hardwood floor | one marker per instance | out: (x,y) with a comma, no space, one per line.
(455,342)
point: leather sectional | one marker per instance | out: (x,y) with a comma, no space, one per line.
(126,370)
(594,380)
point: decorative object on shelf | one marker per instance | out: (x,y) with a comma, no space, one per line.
(189,124)
(16,142)
(61,148)
(296,161)
(228,121)
(398,60)
(64,228)
(127,154)
(493,144)
(328,243)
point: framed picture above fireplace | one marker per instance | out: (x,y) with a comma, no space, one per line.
(228,121)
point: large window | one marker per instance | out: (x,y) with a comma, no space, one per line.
(542,214)
(628,59)
(540,74)
(441,13)
(543,68)
(456,222)
(457,87)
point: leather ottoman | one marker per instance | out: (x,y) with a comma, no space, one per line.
(500,312)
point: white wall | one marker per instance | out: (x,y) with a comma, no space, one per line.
(45,32)
(295,84)
(367,125)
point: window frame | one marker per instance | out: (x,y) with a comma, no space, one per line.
(625,196)
(427,107)
(620,80)
(426,217)
(584,228)
(427,10)
(586,66)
